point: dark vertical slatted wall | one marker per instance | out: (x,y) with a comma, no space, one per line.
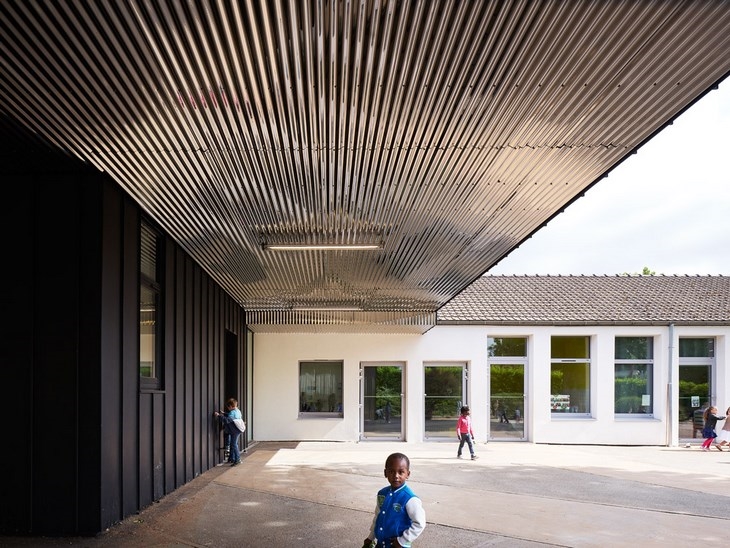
(89,436)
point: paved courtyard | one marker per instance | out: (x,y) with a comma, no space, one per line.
(314,494)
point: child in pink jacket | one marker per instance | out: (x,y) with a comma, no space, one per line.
(464,432)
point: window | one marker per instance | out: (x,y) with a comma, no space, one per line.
(506,346)
(570,375)
(320,389)
(445,386)
(150,347)
(696,348)
(633,376)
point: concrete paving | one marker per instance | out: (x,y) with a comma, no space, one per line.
(322,494)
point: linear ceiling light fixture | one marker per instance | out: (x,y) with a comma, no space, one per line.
(327,308)
(323,247)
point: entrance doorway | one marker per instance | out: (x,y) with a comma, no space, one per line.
(507,400)
(694,394)
(696,367)
(445,390)
(231,384)
(507,368)
(381,401)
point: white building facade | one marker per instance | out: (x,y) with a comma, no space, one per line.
(564,383)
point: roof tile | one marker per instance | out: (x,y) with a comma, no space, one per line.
(620,299)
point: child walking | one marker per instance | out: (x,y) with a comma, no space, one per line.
(234,426)
(708,432)
(392,527)
(723,438)
(465,433)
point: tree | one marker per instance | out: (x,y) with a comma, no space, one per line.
(646,271)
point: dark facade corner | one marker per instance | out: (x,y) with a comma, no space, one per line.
(86,431)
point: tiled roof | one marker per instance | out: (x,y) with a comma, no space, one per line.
(593,300)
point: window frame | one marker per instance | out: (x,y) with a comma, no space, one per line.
(577,360)
(431,401)
(302,413)
(152,382)
(647,361)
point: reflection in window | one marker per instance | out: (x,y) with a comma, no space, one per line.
(633,375)
(696,363)
(696,348)
(507,347)
(150,349)
(320,388)
(570,368)
(444,396)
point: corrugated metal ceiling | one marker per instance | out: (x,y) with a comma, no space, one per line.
(445,132)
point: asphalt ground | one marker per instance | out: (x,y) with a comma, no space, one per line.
(322,494)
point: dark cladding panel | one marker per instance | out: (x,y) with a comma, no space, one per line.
(110,360)
(188,415)
(129,384)
(87,433)
(178,333)
(55,401)
(17,326)
(197,373)
(169,359)
(146,435)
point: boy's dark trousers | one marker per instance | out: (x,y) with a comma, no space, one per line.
(386,543)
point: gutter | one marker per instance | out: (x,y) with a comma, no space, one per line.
(670,366)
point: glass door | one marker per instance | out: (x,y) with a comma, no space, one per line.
(696,366)
(507,367)
(694,397)
(507,400)
(381,404)
(445,385)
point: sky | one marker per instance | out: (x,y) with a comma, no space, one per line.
(667,208)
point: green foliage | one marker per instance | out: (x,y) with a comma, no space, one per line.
(507,386)
(388,383)
(443,381)
(507,346)
(687,389)
(628,404)
(633,348)
(628,393)
(646,271)
(630,386)
(556,381)
(444,391)
(506,380)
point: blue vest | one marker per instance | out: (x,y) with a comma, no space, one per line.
(392,516)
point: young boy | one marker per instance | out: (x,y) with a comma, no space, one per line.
(399,515)
(234,426)
(464,432)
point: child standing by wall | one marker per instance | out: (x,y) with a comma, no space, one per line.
(465,433)
(234,426)
(708,432)
(393,527)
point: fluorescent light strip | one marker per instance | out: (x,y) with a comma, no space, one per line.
(325,247)
(327,308)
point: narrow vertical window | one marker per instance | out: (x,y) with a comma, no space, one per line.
(149,309)
(634,376)
(570,375)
